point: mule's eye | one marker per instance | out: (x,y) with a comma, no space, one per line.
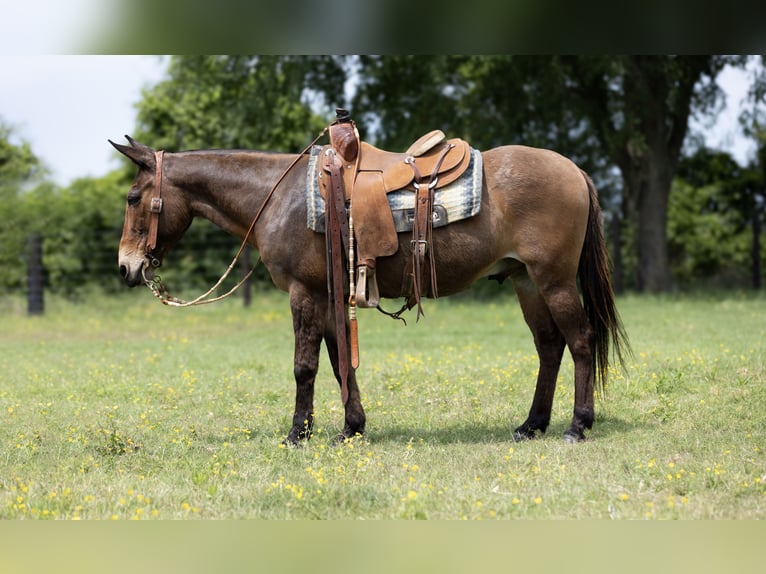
(134,198)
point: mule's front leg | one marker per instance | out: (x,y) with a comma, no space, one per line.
(308,325)
(354,415)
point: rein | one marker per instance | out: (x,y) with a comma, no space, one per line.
(156,285)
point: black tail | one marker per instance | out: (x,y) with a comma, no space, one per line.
(598,297)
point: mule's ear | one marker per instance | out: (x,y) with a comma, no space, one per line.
(140,154)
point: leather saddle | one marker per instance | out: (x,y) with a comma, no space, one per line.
(369,174)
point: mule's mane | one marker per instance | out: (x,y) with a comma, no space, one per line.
(228,152)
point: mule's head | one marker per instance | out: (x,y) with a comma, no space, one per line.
(141,248)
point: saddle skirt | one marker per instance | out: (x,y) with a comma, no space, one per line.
(455,201)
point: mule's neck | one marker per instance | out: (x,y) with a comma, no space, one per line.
(229,188)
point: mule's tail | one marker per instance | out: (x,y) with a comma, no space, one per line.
(610,339)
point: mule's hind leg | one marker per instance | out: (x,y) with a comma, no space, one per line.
(549,343)
(354,414)
(567,311)
(308,324)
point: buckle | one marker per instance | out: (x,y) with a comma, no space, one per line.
(156,205)
(420,244)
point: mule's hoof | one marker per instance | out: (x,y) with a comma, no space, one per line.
(521,436)
(296,440)
(573,437)
(342,438)
(339,439)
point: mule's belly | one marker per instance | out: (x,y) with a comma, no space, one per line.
(457,267)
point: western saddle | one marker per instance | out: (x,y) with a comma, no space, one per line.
(357,173)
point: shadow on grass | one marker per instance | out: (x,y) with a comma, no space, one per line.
(454,432)
(465,433)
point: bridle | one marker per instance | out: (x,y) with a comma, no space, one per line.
(155,208)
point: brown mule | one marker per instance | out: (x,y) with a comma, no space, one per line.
(539,225)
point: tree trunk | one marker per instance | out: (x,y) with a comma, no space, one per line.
(649,178)
(653,265)
(657,94)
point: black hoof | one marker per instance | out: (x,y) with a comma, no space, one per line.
(520,435)
(573,437)
(343,438)
(292,443)
(297,436)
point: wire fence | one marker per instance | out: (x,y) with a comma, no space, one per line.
(49,264)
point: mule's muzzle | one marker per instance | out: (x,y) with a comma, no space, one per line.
(137,274)
(132,278)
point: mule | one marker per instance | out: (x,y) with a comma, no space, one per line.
(539,226)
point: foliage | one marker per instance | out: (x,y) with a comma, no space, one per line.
(87,224)
(628,112)
(701,240)
(125,409)
(711,209)
(255,102)
(489,100)
(20,170)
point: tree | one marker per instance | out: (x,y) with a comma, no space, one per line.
(82,224)
(256,102)
(753,121)
(709,218)
(20,170)
(639,107)
(628,111)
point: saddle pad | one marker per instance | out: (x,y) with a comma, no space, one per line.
(459,200)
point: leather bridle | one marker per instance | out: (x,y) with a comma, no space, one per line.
(155,208)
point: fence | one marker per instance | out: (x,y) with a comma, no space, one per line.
(75,268)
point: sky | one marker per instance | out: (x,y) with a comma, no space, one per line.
(68,106)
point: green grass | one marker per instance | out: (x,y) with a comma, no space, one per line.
(123,409)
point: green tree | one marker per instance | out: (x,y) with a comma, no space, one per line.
(256,102)
(20,171)
(753,197)
(639,108)
(709,219)
(631,112)
(79,225)
(82,224)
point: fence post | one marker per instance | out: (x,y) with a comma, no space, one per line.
(618,281)
(35,275)
(756,246)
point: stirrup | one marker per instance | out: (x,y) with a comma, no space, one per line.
(367,294)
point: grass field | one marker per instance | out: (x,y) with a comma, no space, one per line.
(125,409)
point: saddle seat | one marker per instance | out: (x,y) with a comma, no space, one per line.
(370,173)
(374,169)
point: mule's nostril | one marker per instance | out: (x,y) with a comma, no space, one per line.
(123,271)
